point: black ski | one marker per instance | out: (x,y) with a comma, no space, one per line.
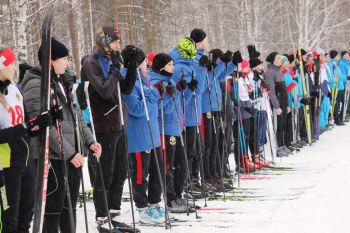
(43,160)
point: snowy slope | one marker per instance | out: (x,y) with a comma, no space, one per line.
(314,197)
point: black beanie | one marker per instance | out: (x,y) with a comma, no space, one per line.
(303,52)
(198,35)
(160,60)
(291,58)
(253,53)
(342,53)
(271,57)
(333,54)
(132,52)
(58,50)
(254,62)
(217,53)
(111,34)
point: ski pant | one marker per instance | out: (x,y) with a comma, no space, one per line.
(253,137)
(240,139)
(281,129)
(288,136)
(339,108)
(302,124)
(114,172)
(210,155)
(175,168)
(262,129)
(20,192)
(143,165)
(56,209)
(225,142)
(192,149)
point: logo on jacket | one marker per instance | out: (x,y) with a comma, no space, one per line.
(148,151)
(208,115)
(172,140)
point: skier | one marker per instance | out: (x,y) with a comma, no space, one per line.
(344,65)
(279,98)
(16,160)
(102,70)
(56,210)
(160,76)
(141,148)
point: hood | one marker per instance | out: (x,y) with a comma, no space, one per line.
(178,58)
(30,74)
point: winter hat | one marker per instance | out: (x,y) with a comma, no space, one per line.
(187,48)
(150,56)
(160,60)
(58,50)
(309,55)
(198,35)
(252,52)
(291,58)
(105,36)
(333,54)
(254,62)
(7,57)
(271,57)
(131,52)
(245,64)
(303,52)
(283,59)
(342,53)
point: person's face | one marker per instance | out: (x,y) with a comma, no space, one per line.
(203,44)
(60,65)
(326,58)
(169,67)
(277,61)
(143,67)
(115,45)
(8,73)
(285,65)
(347,56)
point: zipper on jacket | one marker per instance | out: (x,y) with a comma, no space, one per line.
(27,151)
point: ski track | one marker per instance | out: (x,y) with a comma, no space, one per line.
(314,198)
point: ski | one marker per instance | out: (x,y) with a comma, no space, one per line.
(43,160)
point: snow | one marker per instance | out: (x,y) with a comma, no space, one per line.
(312,198)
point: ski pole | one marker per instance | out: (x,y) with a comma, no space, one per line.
(121,114)
(163,140)
(186,161)
(77,132)
(167,219)
(64,165)
(199,144)
(99,168)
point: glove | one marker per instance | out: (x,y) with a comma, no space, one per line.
(160,87)
(127,84)
(204,61)
(171,89)
(56,113)
(256,76)
(252,111)
(193,84)
(182,84)
(305,101)
(227,57)
(38,123)
(237,57)
(116,59)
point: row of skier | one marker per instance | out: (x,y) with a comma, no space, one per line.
(168,121)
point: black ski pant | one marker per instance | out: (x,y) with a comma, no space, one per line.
(302,125)
(339,108)
(253,137)
(56,209)
(175,168)
(211,153)
(281,129)
(226,147)
(288,136)
(114,172)
(143,165)
(20,192)
(240,139)
(191,146)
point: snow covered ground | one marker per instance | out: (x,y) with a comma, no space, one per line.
(313,197)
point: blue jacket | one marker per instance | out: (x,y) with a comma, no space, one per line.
(290,86)
(170,119)
(344,66)
(137,130)
(334,70)
(186,67)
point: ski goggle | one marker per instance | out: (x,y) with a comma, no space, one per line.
(7,57)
